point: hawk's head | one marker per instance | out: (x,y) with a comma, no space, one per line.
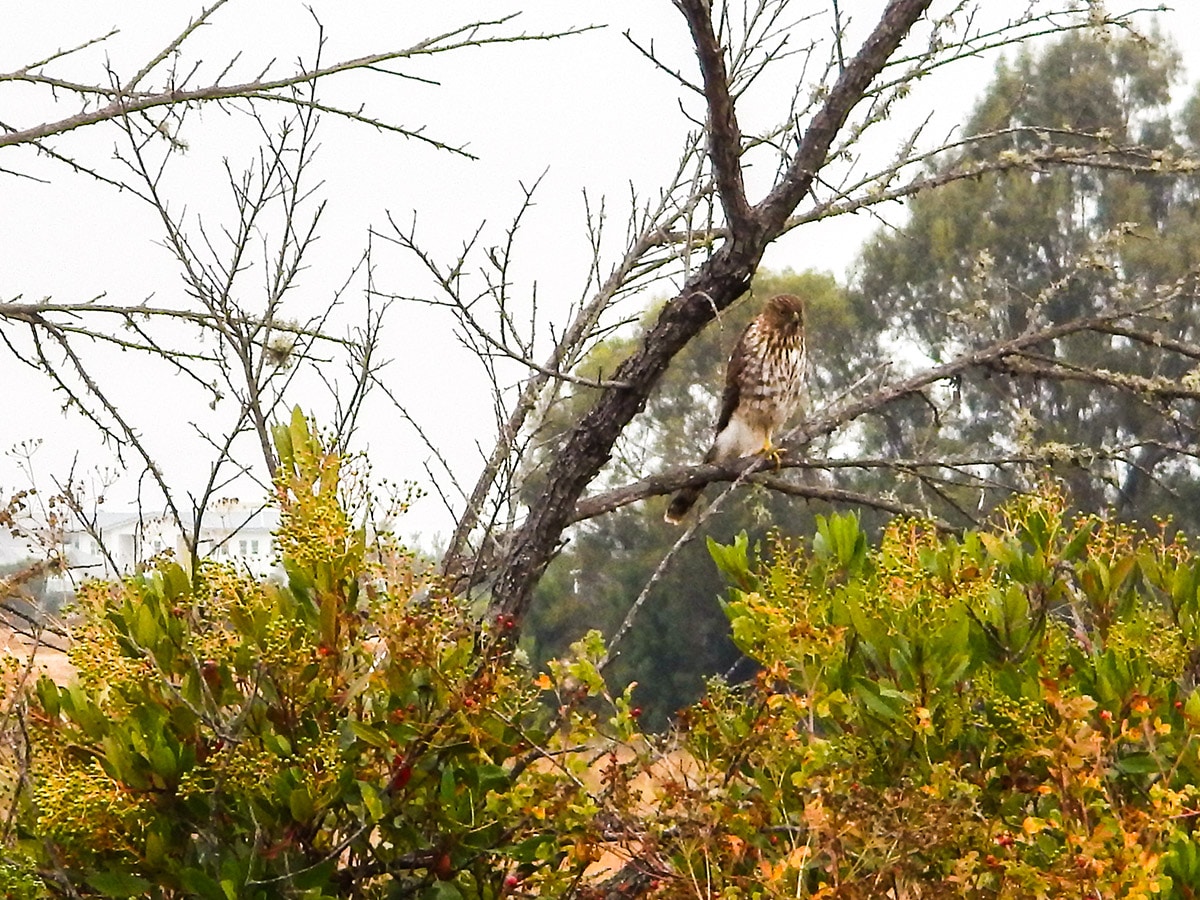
(785,312)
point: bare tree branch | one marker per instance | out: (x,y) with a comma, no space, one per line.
(715,285)
(126,100)
(724,135)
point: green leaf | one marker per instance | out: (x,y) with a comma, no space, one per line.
(47,693)
(301,435)
(1078,541)
(78,705)
(733,560)
(1138,764)
(1191,708)
(156,846)
(371,800)
(997,548)
(119,884)
(281,435)
(491,777)
(447,788)
(202,885)
(871,696)
(1183,585)
(1121,570)
(277,744)
(300,803)
(145,629)
(163,762)
(176,581)
(1038,530)
(369,735)
(531,849)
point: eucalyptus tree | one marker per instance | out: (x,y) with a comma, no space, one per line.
(1112,407)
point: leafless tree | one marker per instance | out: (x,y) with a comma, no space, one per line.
(704,236)
(236,332)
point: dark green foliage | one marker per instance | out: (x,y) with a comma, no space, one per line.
(984,259)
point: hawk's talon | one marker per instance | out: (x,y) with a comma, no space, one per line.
(773,453)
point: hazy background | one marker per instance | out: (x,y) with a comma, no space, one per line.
(585,113)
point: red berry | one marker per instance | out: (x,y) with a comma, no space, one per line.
(511,880)
(401,773)
(443,868)
(211,672)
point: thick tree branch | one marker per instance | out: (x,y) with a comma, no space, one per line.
(724,135)
(1041,367)
(873,190)
(1004,354)
(671,480)
(897,20)
(568,350)
(717,283)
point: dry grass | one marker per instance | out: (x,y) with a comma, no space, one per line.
(667,780)
(41,657)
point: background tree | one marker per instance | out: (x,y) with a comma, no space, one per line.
(996,255)
(977,257)
(714,238)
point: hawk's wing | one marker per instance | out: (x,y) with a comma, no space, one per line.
(733,380)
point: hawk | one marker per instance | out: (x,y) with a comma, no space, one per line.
(762,389)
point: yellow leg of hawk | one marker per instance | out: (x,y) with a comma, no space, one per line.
(771,452)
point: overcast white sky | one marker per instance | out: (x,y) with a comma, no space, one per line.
(587,110)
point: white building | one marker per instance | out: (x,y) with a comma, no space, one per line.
(230,531)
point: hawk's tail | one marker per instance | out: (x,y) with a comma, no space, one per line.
(683,500)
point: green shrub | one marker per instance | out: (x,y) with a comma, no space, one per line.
(1005,714)
(349,733)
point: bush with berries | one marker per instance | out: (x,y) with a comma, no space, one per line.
(350,731)
(1006,713)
